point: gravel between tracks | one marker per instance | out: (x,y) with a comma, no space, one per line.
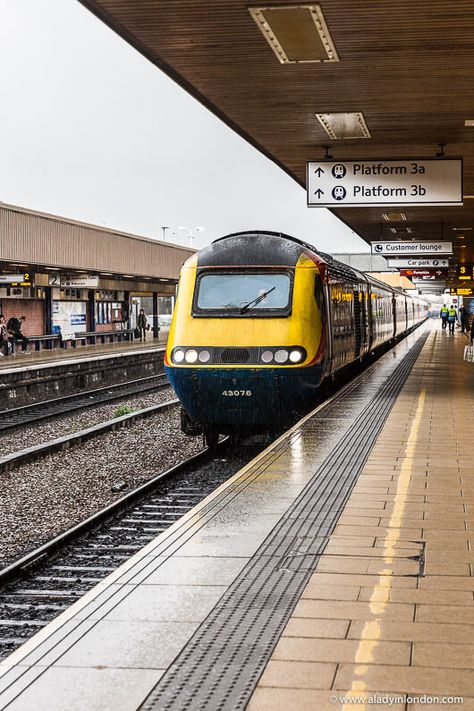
(43,498)
(31,435)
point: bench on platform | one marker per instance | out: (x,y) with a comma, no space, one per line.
(93,337)
(49,341)
(53,340)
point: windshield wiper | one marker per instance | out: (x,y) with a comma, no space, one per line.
(256,301)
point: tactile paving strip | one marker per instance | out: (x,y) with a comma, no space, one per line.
(220,666)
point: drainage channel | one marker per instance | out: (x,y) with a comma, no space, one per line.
(221,664)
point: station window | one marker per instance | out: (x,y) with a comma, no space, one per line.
(103,313)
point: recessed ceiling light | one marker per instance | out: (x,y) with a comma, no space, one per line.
(296,33)
(462,229)
(401,230)
(344,125)
(394,216)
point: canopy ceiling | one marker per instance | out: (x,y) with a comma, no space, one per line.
(407,65)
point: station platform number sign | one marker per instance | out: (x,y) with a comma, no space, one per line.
(465,272)
(461,291)
(25,279)
(382,182)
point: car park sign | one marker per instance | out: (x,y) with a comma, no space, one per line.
(417,263)
(401,248)
(418,181)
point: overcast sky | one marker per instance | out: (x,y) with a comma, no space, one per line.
(89,129)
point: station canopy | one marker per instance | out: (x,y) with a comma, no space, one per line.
(367,79)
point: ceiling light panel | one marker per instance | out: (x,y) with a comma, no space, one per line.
(296,33)
(394,216)
(344,125)
(401,230)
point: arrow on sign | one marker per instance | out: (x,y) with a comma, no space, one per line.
(319,172)
(319,193)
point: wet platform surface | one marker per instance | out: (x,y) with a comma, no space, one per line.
(390,607)
(385,591)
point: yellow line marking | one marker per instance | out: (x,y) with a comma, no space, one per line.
(372,631)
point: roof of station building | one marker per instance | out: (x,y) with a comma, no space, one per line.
(38,238)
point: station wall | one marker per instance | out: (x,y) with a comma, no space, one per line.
(31,308)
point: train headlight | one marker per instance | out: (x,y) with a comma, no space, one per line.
(191,356)
(267,356)
(178,356)
(204,356)
(296,356)
(281,356)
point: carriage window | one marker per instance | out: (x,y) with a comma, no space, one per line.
(243,293)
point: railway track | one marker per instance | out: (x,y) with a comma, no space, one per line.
(40,586)
(27,414)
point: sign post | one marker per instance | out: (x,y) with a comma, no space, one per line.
(24,279)
(423,273)
(362,183)
(418,263)
(416,248)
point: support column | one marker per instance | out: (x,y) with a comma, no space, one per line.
(155,315)
(48,313)
(91,310)
(126,309)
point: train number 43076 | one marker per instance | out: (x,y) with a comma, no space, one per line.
(237,393)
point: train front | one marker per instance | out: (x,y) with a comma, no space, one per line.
(246,346)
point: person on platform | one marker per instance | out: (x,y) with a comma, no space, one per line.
(444,316)
(142,324)
(3,337)
(14,327)
(452,318)
(464,318)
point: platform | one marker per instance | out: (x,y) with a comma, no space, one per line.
(337,563)
(26,379)
(57,356)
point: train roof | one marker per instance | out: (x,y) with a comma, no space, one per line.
(285,251)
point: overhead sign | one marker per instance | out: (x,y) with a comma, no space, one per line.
(74,282)
(16,279)
(417,263)
(464,291)
(422,273)
(418,181)
(417,248)
(465,272)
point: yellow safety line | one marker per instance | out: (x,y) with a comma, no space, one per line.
(372,631)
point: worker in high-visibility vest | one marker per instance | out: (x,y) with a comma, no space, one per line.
(444,316)
(452,318)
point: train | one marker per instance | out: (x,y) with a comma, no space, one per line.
(262,320)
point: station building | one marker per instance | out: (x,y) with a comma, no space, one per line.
(77,278)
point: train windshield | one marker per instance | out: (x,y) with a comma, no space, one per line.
(244,293)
